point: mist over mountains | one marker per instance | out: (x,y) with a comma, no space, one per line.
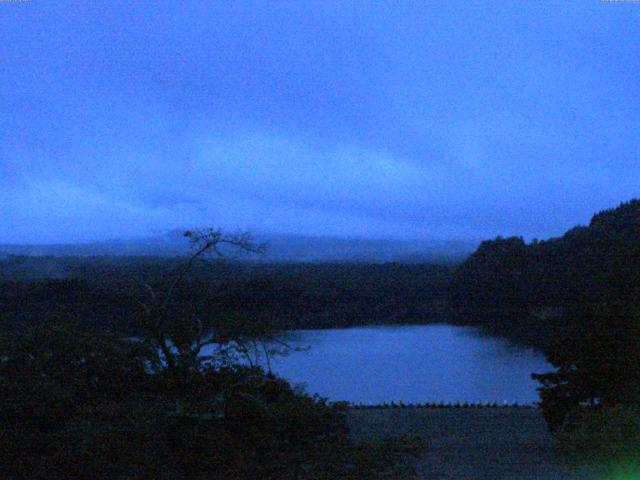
(280,248)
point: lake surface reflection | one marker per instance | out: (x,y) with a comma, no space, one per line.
(412,364)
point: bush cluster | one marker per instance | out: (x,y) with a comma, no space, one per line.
(86,405)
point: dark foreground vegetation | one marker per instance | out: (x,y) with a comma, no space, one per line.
(86,405)
(107,291)
(577,297)
(82,401)
(79,396)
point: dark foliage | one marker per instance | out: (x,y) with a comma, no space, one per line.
(82,401)
(598,364)
(522,290)
(108,291)
(88,405)
(577,298)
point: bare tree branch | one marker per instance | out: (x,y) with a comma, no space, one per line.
(203,242)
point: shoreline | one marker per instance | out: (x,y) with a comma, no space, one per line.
(439,405)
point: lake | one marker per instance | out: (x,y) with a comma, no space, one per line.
(412,364)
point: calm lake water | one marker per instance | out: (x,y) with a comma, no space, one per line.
(413,364)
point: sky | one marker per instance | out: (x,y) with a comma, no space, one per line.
(439,119)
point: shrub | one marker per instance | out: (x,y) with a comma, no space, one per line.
(86,405)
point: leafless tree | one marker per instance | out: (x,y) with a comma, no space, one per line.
(184,353)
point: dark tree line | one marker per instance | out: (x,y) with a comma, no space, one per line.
(578,298)
(107,291)
(510,286)
(80,401)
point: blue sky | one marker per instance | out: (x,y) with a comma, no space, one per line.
(443,119)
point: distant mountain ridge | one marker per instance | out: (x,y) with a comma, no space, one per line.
(281,248)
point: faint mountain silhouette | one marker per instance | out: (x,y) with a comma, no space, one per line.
(281,248)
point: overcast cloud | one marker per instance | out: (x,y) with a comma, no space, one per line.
(450,119)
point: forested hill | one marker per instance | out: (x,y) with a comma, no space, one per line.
(108,291)
(523,289)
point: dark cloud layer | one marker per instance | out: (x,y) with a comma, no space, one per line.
(425,119)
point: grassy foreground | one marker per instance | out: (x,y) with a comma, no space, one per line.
(469,444)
